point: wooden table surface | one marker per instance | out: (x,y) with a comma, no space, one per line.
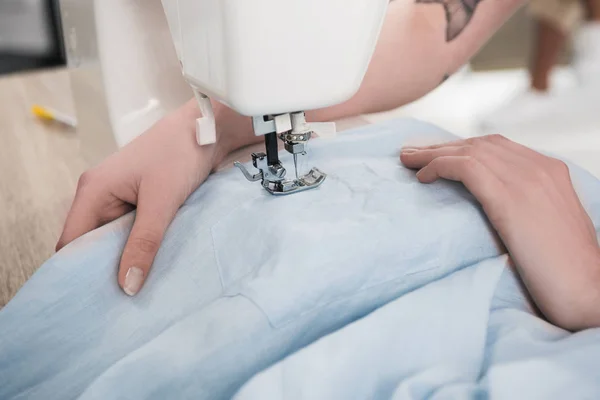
(39,167)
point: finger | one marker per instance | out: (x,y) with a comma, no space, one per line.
(82,218)
(454,143)
(496,139)
(419,158)
(477,178)
(155,211)
(489,150)
(88,213)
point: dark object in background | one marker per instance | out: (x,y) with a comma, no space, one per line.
(511,47)
(43,49)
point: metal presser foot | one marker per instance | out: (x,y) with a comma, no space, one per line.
(273,180)
(293,130)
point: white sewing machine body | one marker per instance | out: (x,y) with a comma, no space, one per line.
(272,60)
(266,57)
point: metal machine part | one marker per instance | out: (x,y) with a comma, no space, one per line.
(273,180)
(273,58)
(294,132)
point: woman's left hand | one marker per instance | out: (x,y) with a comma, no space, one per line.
(530,200)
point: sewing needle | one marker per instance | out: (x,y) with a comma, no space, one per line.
(296,165)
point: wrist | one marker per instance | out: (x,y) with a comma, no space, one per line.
(234,131)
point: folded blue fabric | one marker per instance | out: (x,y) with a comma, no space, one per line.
(245,281)
(430,337)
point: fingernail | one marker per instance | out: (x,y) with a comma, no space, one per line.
(408,150)
(133,281)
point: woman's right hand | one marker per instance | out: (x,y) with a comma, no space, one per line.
(154,174)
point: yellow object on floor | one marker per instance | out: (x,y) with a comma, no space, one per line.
(49,114)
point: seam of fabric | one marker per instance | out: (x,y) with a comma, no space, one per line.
(260,309)
(217,259)
(214,242)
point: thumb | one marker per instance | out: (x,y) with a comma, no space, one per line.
(155,211)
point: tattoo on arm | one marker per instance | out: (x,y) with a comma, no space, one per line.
(458,14)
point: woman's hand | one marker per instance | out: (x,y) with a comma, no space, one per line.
(155,173)
(531,202)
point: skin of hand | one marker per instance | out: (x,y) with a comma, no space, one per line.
(531,202)
(154,174)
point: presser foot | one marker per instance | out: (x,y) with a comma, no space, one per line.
(273,180)
(312,180)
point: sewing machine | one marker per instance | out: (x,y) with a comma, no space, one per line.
(272,60)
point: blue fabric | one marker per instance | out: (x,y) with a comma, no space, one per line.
(373,286)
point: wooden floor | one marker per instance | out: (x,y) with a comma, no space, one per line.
(39,167)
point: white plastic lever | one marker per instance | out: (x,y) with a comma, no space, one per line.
(206,130)
(324,129)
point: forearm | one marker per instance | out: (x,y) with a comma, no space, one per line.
(414,54)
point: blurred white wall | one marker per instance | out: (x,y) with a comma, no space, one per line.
(124,71)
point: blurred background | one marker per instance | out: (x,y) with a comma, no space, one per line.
(30,38)
(30,35)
